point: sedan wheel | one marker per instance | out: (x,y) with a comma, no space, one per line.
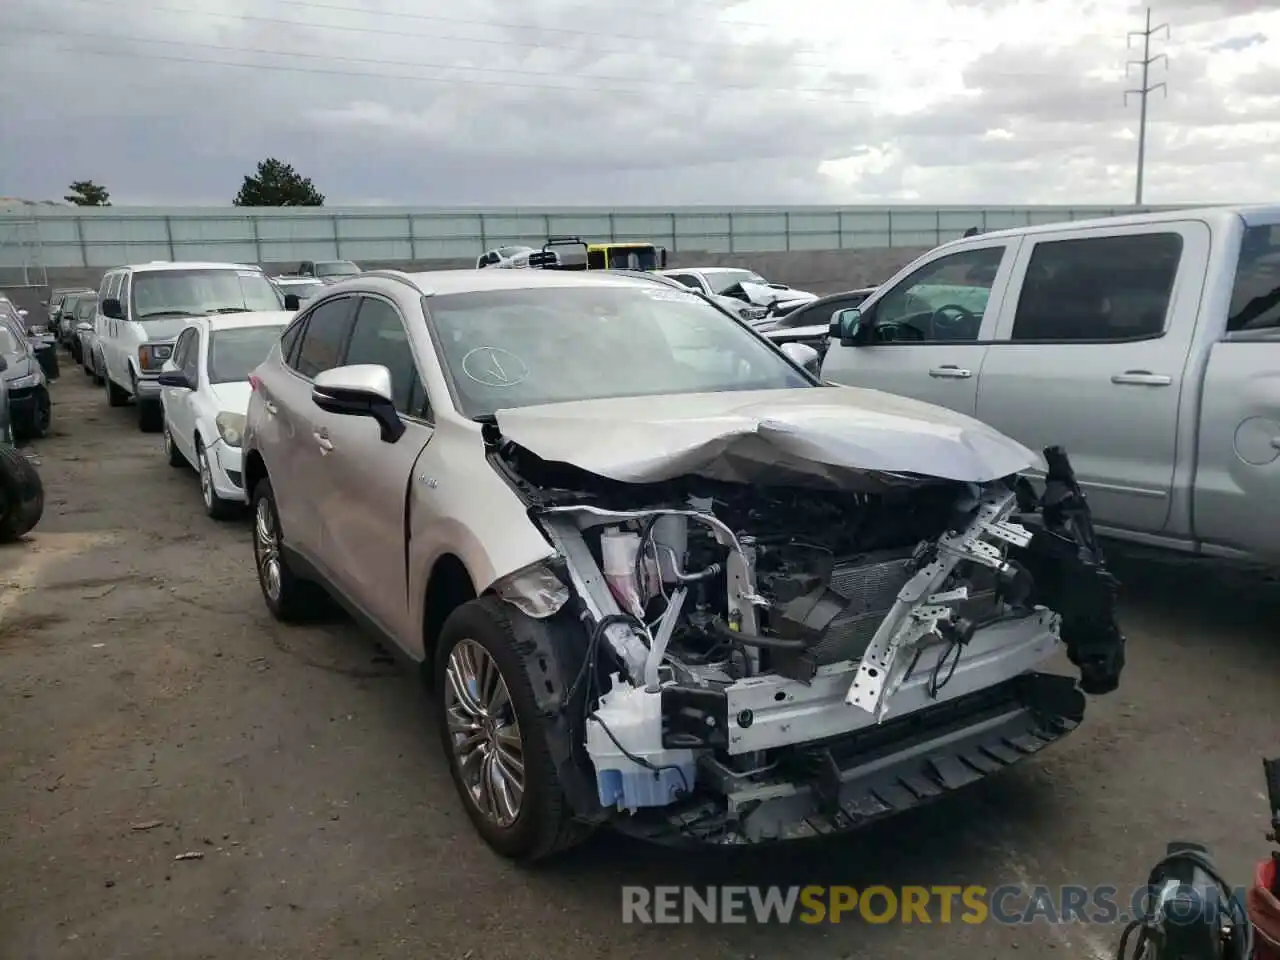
(487,746)
(214,505)
(266,549)
(175,457)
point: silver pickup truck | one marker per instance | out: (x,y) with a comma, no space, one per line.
(1147,345)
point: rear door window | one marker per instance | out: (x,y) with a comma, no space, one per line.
(1255,299)
(1098,289)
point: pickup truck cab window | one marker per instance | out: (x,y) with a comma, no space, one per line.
(1098,288)
(1255,300)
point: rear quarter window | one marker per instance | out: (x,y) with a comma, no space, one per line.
(1255,298)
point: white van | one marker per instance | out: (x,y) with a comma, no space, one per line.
(143,308)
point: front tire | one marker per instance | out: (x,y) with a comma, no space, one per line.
(492,735)
(116,396)
(36,427)
(21,495)
(214,505)
(171,451)
(289,598)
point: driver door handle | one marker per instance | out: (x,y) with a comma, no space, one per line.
(325,443)
(269,407)
(1141,378)
(949,371)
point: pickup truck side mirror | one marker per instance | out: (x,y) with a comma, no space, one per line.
(291,301)
(4,364)
(849,328)
(111,309)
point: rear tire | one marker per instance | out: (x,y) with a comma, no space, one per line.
(21,495)
(544,824)
(290,598)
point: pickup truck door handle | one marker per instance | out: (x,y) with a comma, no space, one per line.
(1141,378)
(325,444)
(950,371)
(269,407)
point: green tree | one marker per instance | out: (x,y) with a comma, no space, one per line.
(277,184)
(86,193)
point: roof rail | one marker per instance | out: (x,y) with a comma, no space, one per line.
(399,276)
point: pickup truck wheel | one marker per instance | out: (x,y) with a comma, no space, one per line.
(492,734)
(21,495)
(290,598)
(116,397)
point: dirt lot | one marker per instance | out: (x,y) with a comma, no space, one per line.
(150,707)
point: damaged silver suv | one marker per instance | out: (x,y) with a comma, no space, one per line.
(660,577)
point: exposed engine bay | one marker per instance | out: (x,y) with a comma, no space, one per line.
(764,662)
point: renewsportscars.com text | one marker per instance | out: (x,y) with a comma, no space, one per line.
(1012,904)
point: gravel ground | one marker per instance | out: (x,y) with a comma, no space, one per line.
(150,707)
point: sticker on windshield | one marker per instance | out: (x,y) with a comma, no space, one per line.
(679,296)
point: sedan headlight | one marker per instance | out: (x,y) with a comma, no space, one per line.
(151,356)
(230,427)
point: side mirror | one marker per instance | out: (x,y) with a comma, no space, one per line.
(291,301)
(803,355)
(111,309)
(359,390)
(4,364)
(174,378)
(21,312)
(84,325)
(848,327)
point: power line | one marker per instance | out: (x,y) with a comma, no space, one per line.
(412,63)
(1145,90)
(285,68)
(493,25)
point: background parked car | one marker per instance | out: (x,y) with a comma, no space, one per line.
(6,420)
(810,323)
(86,309)
(30,407)
(87,340)
(205,395)
(745,285)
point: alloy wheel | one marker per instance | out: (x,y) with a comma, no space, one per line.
(266,548)
(487,746)
(206,479)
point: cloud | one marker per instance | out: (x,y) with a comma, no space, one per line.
(761,102)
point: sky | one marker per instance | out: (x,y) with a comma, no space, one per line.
(631,103)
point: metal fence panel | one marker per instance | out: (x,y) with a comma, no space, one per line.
(105,237)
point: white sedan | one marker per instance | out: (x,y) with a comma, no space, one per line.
(205,395)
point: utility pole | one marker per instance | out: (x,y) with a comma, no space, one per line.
(1146,89)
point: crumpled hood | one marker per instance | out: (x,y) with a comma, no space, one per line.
(763,296)
(822,436)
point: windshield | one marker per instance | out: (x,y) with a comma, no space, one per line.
(633,258)
(516,348)
(723,280)
(197,293)
(234,353)
(337,268)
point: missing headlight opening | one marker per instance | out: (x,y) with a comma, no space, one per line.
(760,662)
